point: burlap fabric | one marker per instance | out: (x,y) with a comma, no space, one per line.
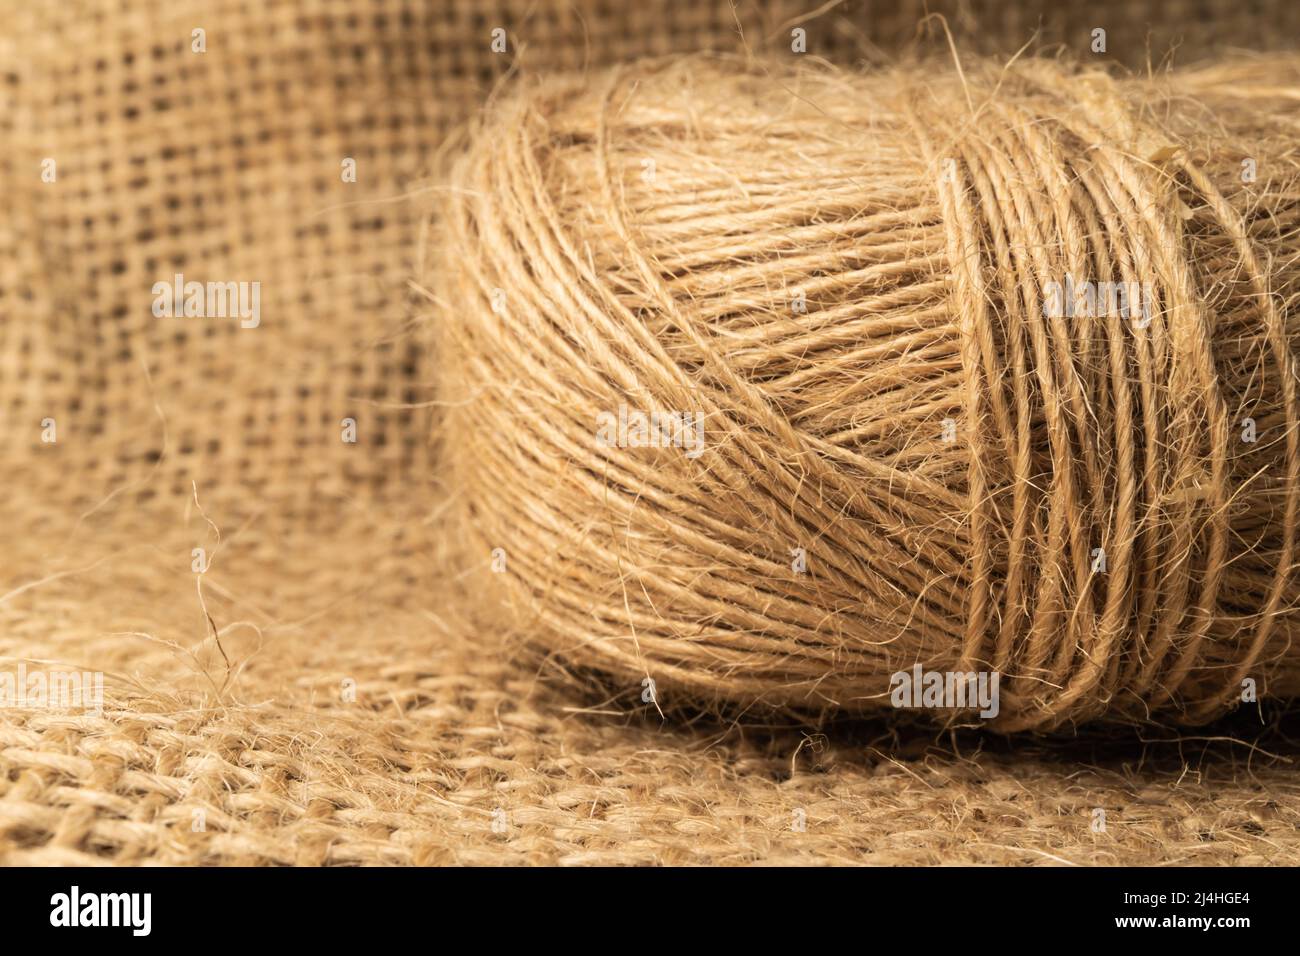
(316,695)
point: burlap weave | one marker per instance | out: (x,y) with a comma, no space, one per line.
(315,697)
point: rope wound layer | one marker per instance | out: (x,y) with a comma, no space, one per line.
(1105,469)
(1002,358)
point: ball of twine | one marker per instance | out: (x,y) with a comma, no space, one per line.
(769,383)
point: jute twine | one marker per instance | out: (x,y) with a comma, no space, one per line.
(909,455)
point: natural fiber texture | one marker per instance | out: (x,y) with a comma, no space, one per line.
(225,166)
(915,220)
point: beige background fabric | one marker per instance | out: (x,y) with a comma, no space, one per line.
(316,696)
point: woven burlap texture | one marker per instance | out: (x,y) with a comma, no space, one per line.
(316,696)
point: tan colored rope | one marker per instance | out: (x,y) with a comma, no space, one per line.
(649,231)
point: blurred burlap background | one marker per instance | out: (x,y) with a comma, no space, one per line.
(314,697)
